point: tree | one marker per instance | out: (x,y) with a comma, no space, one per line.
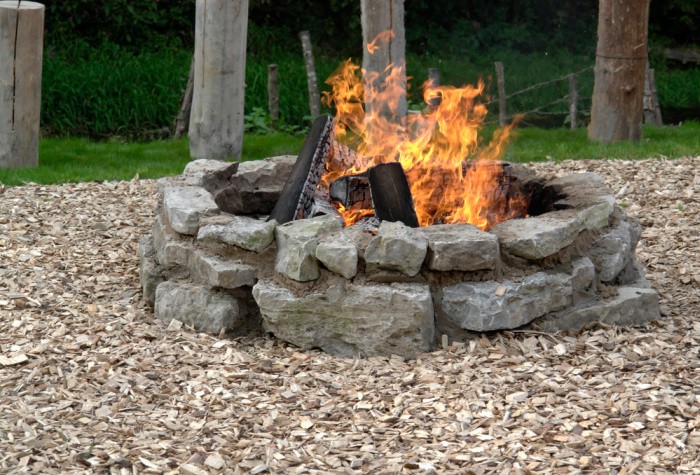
(621,59)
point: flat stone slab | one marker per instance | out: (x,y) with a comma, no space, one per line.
(487,306)
(347,319)
(183,206)
(170,250)
(461,247)
(206,310)
(242,231)
(633,306)
(296,246)
(397,247)
(224,273)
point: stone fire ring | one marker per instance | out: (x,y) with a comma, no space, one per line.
(214,263)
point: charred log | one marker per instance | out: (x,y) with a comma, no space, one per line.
(391,194)
(352,190)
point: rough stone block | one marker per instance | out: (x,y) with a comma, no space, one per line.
(339,251)
(538,236)
(460,247)
(199,172)
(487,306)
(183,206)
(170,250)
(397,247)
(224,273)
(348,319)
(612,251)
(206,310)
(242,231)
(632,306)
(296,246)
(150,272)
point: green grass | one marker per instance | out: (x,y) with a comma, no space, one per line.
(79,160)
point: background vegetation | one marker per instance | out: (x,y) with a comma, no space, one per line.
(118,67)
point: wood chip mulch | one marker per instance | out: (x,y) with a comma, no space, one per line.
(90,382)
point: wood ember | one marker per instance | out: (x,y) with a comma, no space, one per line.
(352,190)
(106,388)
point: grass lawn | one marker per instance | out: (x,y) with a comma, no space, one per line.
(75,159)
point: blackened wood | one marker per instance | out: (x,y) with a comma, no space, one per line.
(322,205)
(391,194)
(352,190)
(296,200)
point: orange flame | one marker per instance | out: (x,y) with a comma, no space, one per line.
(452,178)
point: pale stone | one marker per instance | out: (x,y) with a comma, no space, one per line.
(632,306)
(296,246)
(339,251)
(538,236)
(150,272)
(242,231)
(197,172)
(612,251)
(487,306)
(170,250)
(460,247)
(397,247)
(349,319)
(185,205)
(223,273)
(206,310)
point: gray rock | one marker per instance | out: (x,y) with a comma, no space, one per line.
(339,251)
(218,272)
(206,310)
(460,247)
(612,251)
(296,246)
(254,188)
(199,172)
(348,319)
(242,231)
(171,251)
(633,306)
(538,236)
(632,275)
(397,247)
(150,272)
(487,306)
(183,206)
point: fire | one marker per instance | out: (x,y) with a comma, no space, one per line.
(452,178)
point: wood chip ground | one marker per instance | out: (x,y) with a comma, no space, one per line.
(90,382)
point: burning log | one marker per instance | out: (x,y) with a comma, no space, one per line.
(352,190)
(297,198)
(391,194)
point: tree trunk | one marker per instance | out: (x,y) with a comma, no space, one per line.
(216,122)
(621,58)
(21,52)
(385,18)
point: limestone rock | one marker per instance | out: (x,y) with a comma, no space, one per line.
(199,172)
(219,272)
(339,251)
(460,247)
(183,206)
(612,251)
(150,272)
(348,319)
(633,306)
(538,236)
(170,250)
(255,186)
(206,310)
(397,247)
(487,306)
(242,231)
(296,246)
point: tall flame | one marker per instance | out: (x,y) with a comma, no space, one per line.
(452,178)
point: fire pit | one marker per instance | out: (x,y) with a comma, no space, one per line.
(367,250)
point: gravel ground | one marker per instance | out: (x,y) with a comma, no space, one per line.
(91,383)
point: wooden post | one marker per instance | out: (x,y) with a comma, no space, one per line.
(216,122)
(621,58)
(501,79)
(273,95)
(182,121)
(314,100)
(384,45)
(434,76)
(21,53)
(573,101)
(652,111)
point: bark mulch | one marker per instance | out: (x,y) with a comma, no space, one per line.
(90,382)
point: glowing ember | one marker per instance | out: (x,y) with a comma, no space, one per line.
(452,179)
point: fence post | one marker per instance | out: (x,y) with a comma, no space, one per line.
(434,76)
(652,111)
(314,101)
(573,101)
(500,77)
(182,121)
(21,52)
(273,95)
